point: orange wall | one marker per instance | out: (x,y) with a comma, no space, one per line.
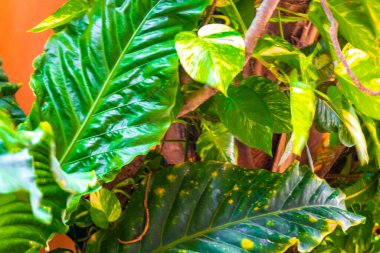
(19,48)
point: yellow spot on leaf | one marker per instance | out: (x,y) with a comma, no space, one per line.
(312,219)
(270,223)
(266,207)
(214,174)
(256,209)
(231,201)
(171,178)
(160,191)
(236,188)
(247,244)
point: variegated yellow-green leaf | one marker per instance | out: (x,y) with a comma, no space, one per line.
(351,122)
(214,56)
(69,11)
(367,70)
(221,208)
(105,207)
(302,104)
(216,143)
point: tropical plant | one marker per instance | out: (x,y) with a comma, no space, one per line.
(152,116)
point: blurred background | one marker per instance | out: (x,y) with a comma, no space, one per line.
(18,48)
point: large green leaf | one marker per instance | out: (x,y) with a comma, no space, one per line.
(107,82)
(368,72)
(247,117)
(216,143)
(276,100)
(69,11)
(302,104)
(214,56)
(32,202)
(351,16)
(7,97)
(214,207)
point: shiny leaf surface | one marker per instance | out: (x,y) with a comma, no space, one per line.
(351,16)
(302,104)
(215,207)
(351,123)
(214,56)
(70,10)
(216,143)
(368,72)
(326,119)
(276,101)
(247,117)
(107,83)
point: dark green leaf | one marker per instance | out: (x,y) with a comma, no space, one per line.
(214,56)
(362,190)
(368,72)
(107,82)
(326,119)
(70,10)
(276,100)
(7,98)
(216,143)
(214,207)
(247,117)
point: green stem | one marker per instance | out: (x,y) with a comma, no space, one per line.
(237,14)
(280,24)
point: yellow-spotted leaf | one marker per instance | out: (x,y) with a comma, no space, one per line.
(219,208)
(214,56)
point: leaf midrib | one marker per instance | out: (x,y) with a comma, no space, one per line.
(104,88)
(229,224)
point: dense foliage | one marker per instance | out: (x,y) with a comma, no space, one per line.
(152,118)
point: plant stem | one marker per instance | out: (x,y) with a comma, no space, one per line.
(338,50)
(195,101)
(257,29)
(238,16)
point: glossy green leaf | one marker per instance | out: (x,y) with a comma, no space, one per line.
(351,123)
(107,82)
(368,72)
(70,10)
(105,207)
(247,117)
(216,143)
(326,119)
(214,207)
(276,100)
(214,56)
(372,10)
(302,104)
(7,98)
(371,126)
(355,23)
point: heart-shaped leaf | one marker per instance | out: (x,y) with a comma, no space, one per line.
(216,143)
(107,82)
(247,117)
(105,207)
(215,207)
(214,56)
